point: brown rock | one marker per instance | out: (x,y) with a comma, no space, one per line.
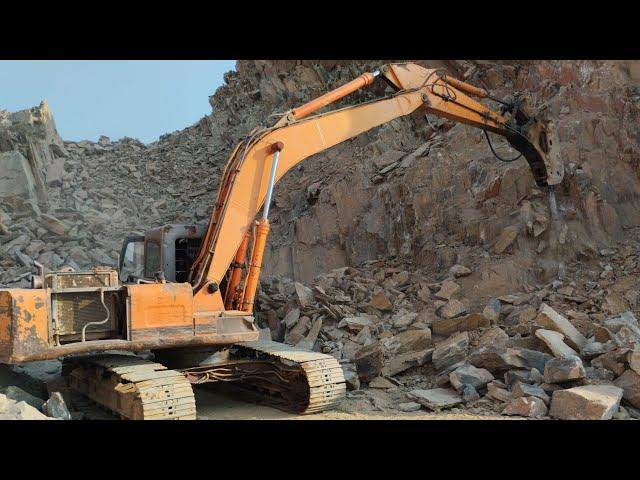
(53,224)
(633,358)
(381,383)
(450,351)
(447,290)
(531,407)
(405,361)
(589,402)
(381,302)
(506,238)
(369,361)
(559,370)
(629,381)
(554,340)
(494,336)
(497,391)
(615,304)
(613,360)
(549,318)
(459,271)
(448,326)
(411,340)
(453,308)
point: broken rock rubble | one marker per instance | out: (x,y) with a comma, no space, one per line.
(380,333)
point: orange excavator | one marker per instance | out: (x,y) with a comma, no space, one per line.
(186,292)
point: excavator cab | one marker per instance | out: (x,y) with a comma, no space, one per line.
(163,253)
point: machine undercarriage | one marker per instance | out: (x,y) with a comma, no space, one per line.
(292,380)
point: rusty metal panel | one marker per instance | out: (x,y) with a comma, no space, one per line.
(25,323)
(72,311)
(92,279)
(6,314)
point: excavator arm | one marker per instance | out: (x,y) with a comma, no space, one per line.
(259,161)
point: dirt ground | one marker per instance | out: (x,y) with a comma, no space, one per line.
(213,405)
(216,403)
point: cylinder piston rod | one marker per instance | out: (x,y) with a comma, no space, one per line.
(262,231)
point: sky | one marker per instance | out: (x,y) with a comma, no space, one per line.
(118,98)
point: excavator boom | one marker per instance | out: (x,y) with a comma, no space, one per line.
(246,181)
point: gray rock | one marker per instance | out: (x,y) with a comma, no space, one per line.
(16,177)
(470,375)
(409,407)
(291,318)
(513,376)
(492,310)
(450,351)
(19,395)
(593,373)
(356,323)
(403,319)
(520,389)
(351,377)
(593,349)
(469,394)
(56,407)
(304,294)
(436,398)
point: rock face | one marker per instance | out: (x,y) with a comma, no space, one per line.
(590,402)
(16,177)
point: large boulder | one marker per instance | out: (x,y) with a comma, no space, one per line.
(589,402)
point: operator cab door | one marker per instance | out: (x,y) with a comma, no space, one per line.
(132,257)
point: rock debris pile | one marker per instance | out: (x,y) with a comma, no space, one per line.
(568,349)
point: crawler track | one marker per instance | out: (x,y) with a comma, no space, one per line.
(134,388)
(305,382)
